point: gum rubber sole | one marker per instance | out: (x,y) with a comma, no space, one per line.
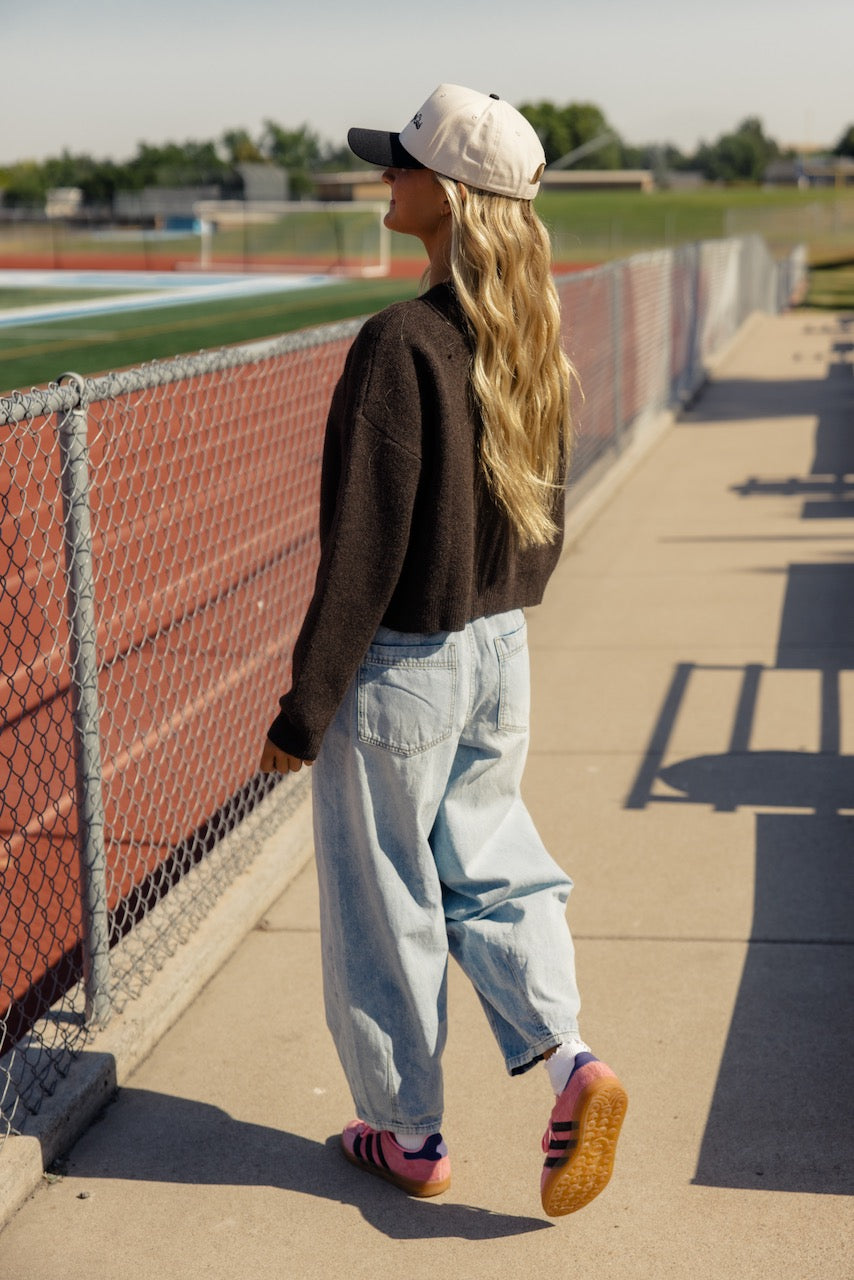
(420,1189)
(587,1171)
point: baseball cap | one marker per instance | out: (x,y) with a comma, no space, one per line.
(474,138)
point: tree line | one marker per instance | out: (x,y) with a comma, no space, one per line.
(299,151)
(740,155)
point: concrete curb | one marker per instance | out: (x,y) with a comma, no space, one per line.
(113,1054)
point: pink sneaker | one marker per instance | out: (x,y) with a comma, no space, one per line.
(426,1172)
(581,1139)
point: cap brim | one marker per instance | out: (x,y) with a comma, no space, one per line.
(384,149)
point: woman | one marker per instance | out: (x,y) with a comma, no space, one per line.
(441,520)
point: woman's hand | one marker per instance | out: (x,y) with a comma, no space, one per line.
(274,760)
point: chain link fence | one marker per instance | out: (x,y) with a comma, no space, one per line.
(641,331)
(158,551)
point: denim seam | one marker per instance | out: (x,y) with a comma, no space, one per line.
(504,654)
(412,664)
(472,660)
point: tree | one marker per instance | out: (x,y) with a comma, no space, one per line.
(23,184)
(742,156)
(563,129)
(339,159)
(188,164)
(845,145)
(551,126)
(99,180)
(297,150)
(240,148)
(660,157)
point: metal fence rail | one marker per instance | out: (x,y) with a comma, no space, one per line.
(158,550)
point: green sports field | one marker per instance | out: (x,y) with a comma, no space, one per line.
(33,297)
(32,355)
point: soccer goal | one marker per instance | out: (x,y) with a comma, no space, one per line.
(333,237)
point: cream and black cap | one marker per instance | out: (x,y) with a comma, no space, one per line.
(474,138)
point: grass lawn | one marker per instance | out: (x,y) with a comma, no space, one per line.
(593,226)
(831,287)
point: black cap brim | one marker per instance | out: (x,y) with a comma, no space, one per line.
(384,149)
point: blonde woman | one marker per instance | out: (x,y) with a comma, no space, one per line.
(441,517)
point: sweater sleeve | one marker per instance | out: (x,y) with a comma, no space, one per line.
(371,472)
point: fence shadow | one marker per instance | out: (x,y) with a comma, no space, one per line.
(780,1113)
(780,1117)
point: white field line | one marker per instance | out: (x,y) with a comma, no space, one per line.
(160,292)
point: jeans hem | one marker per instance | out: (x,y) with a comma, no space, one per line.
(408,1130)
(523,1062)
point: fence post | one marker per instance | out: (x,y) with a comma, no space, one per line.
(617,348)
(668,272)
(80,599)
(695,370)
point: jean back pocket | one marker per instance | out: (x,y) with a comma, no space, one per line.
(406,696)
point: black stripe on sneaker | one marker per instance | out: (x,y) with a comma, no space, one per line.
(369,1149)
(381,1153)
(564,1126)
(357,1146)
(552,1162)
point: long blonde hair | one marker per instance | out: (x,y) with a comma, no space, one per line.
(521,378)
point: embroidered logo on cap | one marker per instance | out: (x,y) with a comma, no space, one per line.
(418,120)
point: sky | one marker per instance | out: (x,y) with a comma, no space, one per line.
(101,76)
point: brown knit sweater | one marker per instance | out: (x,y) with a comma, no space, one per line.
(410,536)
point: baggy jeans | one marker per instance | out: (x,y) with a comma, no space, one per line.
(424,849)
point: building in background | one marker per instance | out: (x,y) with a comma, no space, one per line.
(171,208)
(806,171)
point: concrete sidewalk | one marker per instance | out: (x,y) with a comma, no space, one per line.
(692,766)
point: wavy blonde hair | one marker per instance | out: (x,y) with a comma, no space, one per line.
(521,377)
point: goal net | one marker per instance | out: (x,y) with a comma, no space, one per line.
(348,239)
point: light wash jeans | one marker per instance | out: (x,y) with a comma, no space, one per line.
(424,848)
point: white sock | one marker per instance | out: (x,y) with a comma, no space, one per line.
(561,1062)
(411,1141)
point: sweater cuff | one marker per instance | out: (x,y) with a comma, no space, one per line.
(286,737)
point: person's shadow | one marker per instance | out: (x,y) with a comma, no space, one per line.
(178,1140)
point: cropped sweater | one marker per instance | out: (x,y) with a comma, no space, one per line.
(410,536)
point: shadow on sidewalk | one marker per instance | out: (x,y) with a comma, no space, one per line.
(780,1114)
(780,1117)
(168,1139)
